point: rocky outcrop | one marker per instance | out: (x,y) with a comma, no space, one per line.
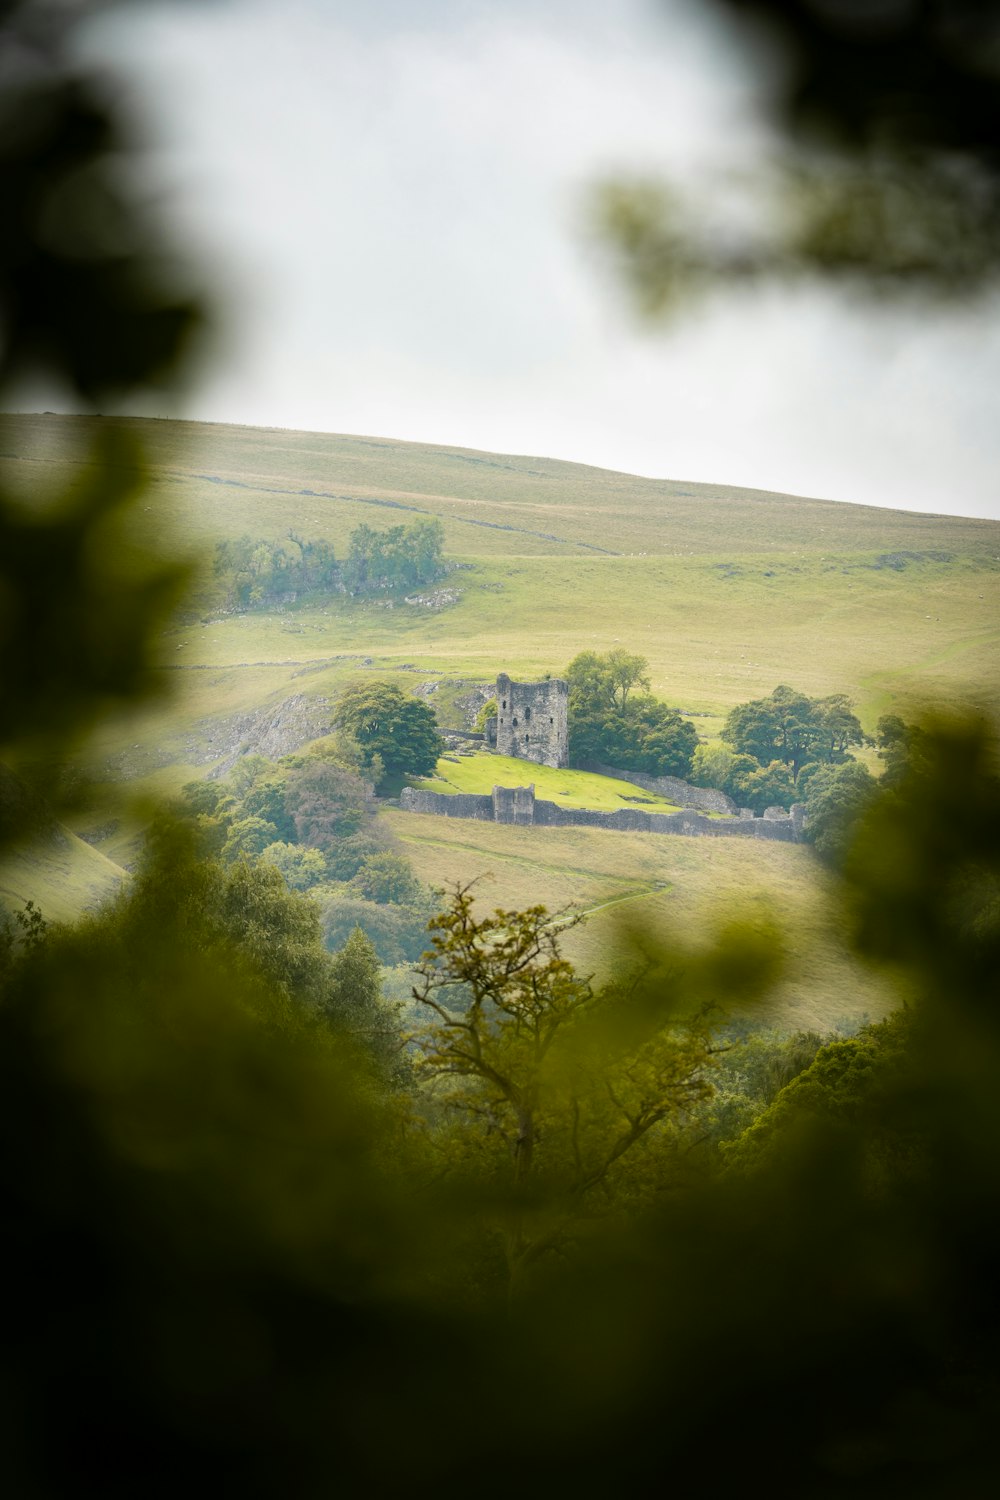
(272,732)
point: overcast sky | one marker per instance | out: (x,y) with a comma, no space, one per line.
(389,196)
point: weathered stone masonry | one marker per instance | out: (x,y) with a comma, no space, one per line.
(531,721)
(519,805)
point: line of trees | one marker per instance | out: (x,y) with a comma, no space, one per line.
(258,573)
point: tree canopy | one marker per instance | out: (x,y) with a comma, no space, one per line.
(610,722)
(259,573)
(385,722)
(792,729)
(401,557)
(564,1085)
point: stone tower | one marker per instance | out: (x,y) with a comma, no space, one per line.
(531,720)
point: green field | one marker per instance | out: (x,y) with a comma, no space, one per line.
(62,875)
(482,772)
(727,592)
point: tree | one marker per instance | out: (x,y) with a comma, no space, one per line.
(719,766)
(624,672)
(837,728)
(398,932)
(359,1005)
(385,877)
(609,723)
(606,681)
(485,714)
(780,727)
(402,731)
(764,787)
(901,747)
(257,571)
(835,797)
(247,837)
(789,727)
(300,867)
(401,557)
(569,1083)
(327,803)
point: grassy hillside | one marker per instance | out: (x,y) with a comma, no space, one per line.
(62,874)
(684,886)
(481,773)
(727,592)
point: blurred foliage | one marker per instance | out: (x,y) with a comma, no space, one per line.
(91,298)
(250,1258)
(89,304)
(237,1257)
(570,1098)
(886,175)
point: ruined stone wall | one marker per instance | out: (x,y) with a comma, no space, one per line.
(519,805)
(706,798)
(514,804)
(531,721)
(461,805)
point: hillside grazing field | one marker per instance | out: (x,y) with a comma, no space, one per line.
(685,887)
(726,591)
(62,875)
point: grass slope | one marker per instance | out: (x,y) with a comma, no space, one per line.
(482,772)
(62,874)
(727,592)
(668,884)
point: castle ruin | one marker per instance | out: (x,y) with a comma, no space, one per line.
(531,721)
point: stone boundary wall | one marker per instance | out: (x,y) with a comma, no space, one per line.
(461,805)
(519,805)
(705,798)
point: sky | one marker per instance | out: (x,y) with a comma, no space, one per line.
(388,200)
